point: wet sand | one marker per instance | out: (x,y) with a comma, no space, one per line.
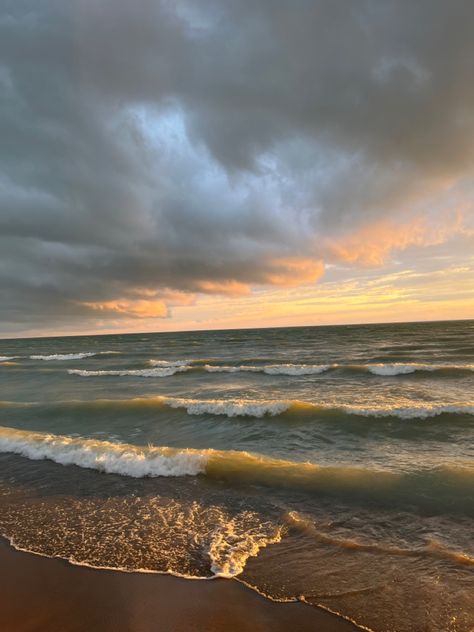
(38,594)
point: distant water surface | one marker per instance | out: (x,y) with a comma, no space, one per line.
(329,464)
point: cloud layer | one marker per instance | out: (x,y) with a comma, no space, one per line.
(154,151)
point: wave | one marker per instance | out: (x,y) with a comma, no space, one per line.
(105,456)
(386,369)
(271,369)
(7,358)
(432,548)
(71,356)
(170,367)
(155,372)
(399,368)
(415,411)
(169,363)
(447,486)
(258,408)
(228,408)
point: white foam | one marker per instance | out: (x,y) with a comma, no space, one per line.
(113,458)
(210,368)
(71,356)
(155,372)
(422,411)
(399,368)
(229,408)
(231,545)
(271,369)
(296,369)
(260,408)
(169,363)
(198,530)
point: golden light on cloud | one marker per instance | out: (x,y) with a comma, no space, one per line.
(229,288)
(294,271)
(372,296)
(129,308)
(374,293)
(371,244)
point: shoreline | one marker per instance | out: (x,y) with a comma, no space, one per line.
(42,594)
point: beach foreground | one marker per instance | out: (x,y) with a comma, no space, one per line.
(41,594)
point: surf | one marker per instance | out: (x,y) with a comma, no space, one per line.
(446,486)
(290,409)
(71,356)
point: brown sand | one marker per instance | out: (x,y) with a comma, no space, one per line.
(38,594)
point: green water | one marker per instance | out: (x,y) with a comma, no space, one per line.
(334,464)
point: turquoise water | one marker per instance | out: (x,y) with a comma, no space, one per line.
(330,464)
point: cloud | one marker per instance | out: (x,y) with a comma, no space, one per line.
(136,309)
(196,148)
(371,244)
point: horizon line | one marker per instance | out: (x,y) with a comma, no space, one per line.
(183,331)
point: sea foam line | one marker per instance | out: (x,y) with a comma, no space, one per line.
(158,371)
(270,369)
(386,369)
(170,367)
(72,356)
(169,363)
(228,408)
(258,408)
(399,368)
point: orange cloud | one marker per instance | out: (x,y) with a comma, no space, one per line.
(373,243)
(135,309)
(294,271)
(229,288)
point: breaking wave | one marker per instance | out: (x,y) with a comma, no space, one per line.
(418,411)
(229,408)
(158,371)
(71,356)
(105,456)
(398,368)
(169,363)
(271,369)
(257,408)
(260,408)
(443,486)
(169,367)
(382,369)
(386,369)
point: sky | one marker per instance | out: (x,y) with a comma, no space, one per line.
(173,165)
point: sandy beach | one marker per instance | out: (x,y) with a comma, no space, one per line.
(41,594)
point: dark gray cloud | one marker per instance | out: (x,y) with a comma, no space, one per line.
(184,145)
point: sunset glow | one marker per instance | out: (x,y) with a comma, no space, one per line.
(204,176)
(237,315)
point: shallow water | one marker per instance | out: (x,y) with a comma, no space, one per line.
(331,464)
